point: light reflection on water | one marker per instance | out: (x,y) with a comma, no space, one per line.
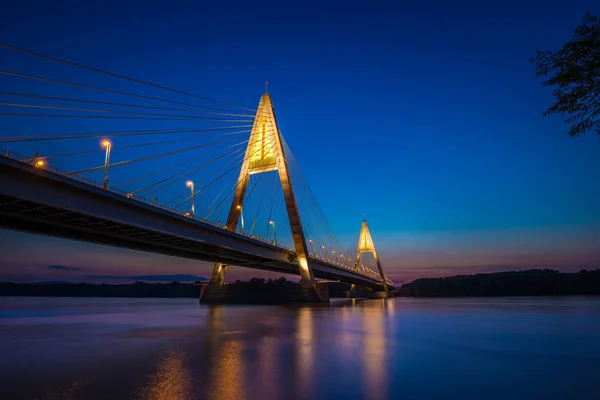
(155,349)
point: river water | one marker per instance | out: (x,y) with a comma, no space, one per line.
(503,348)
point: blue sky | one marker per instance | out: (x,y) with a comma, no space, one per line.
(424,116)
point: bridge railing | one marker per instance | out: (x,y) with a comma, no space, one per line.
(34,162)
(77,177)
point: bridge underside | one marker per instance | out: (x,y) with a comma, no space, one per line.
(41,202)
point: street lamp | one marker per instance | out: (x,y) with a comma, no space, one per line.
(335,257)
(324,253)
(106,143)
(39,163)
(274,232)
(239,207)
(312,245)
(190,184)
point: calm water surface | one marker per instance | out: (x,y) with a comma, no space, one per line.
(518,348)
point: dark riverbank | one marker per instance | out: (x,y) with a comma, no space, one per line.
(142,289)
(138,289)
(513,283)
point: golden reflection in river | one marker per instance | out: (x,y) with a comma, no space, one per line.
(375,349)
(227,365)
(228,377)
(268,372)
(171,380)
(305,352)
(346,339)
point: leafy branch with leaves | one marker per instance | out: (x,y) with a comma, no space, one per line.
(574,74)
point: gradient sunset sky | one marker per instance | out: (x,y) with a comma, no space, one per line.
(425,116)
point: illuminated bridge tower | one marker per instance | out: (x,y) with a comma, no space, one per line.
(365,245)
(264,153)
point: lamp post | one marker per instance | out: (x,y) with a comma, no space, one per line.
(312,246)
(274,232)
(39,163)
(190,184)
(239,207)
(335,258)
(106,143)
(324,253)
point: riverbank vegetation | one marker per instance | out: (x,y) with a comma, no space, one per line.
(536,282)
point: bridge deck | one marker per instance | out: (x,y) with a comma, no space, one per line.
(40,201)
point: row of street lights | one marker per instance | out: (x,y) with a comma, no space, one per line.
(337,260)
(108,145)
(190,184)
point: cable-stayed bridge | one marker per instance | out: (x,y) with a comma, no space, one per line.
(97,156)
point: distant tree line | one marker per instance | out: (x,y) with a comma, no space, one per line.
(261,281)
(535,282)
(138,289)
(336,289)
(544,282)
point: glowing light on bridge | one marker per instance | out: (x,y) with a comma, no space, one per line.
(106,143)
(190,184)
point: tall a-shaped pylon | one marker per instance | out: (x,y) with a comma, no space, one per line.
(265,153)
(365,245)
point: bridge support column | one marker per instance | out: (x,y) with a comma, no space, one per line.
(265,152)
(366,245)
(218,274)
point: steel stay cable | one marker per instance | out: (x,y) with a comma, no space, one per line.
(23,105)
(259,209)
(175,198)
(215,199)
(193,169)
(280,212)
(111,117)
(334,242)
(231,169)
(146,158)
(70,99)
(247,197)
(329,231)
(200,191)
(239,181)
(171,182)
(188,198)
(189,170)
(212,161)
(305,204)
(241,162)
(271,208)
(113,111)
(135,145)
(173,166)
(119,76)
(101,134)
(268,188)
(251,190)
(106,90)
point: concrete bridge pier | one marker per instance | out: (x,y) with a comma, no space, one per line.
(360,292)
(245,293)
